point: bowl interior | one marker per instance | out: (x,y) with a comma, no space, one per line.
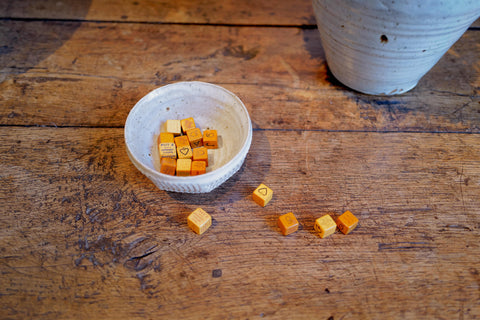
(211,106)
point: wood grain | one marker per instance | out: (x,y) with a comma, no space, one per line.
(84,235)
(247,12)
(96,72)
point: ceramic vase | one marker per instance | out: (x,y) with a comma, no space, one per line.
(385,47)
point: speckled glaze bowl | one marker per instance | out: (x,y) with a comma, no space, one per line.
(384,47)
(212,107)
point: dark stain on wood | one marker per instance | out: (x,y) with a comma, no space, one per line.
(404,246)
(240,52)
(313,44)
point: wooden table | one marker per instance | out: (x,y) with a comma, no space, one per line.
(83,234)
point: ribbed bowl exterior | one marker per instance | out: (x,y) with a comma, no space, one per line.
(218,107)
(385,47)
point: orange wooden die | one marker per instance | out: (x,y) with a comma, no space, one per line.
(187,124)
(210,139)
(288,223)
(167,150)
(168,166)
(173,126)
(199,221)
(347,222)
(200,154)
(165,137)
(182,141)
(325,226)
(198,167)
(184,152)
(262,195)
(184,166)
(195,137)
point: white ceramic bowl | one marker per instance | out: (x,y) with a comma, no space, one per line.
(212,107)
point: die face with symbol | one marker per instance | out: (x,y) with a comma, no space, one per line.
(262,195)
(195,137)
(210,139)
(167,150)
(184,152)
(200,154)
(288,223)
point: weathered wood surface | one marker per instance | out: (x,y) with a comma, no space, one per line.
(248,12)
(245,12)
(274,70)
(85,235)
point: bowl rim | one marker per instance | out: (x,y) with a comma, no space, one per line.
(198,178)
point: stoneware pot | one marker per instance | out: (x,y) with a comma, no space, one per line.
(385,47)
